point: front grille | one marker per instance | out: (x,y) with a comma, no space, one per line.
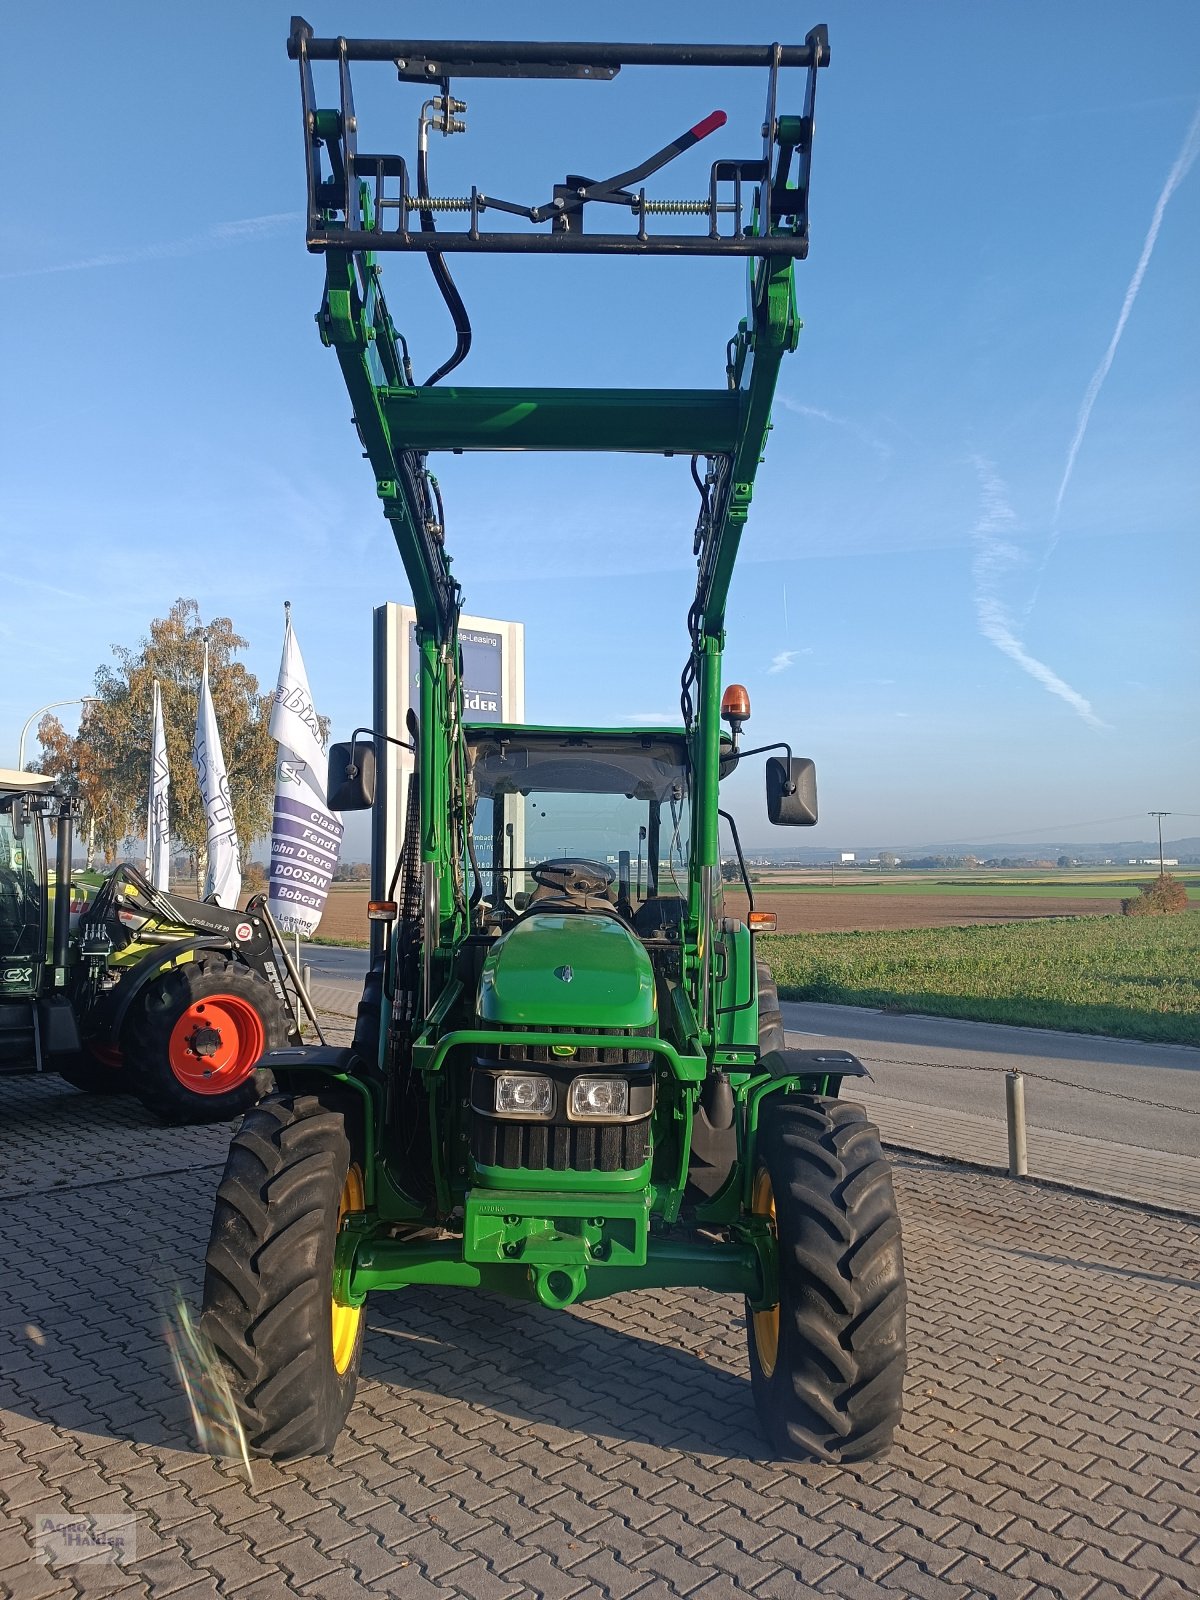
(569,1147)
(615,1055)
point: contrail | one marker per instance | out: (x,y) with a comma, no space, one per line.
(995,555)
(879,446)
(214,238)
(1183,164)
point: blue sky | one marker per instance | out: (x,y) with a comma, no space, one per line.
(969,587)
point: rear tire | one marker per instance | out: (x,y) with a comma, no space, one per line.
(206,1005)
(770,1017)
(290,1352)
(827,1364)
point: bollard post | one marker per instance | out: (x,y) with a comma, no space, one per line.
(1014,1102)
(299,1007)
(306,979)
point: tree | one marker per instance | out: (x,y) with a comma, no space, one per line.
(116,732)
(70,759)
(1165,896)
(888,859)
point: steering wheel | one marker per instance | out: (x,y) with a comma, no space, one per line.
(570,875)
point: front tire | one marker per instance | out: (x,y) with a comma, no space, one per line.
(95,1069)
(827,1362)
(291,1352)
(193,1039)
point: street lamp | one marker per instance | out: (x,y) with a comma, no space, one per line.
(84,700)
(1160,815)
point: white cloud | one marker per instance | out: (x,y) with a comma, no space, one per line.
(652,719)
(785,658)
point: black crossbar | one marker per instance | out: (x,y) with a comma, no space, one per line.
(459,55)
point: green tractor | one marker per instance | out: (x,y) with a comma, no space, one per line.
(569,1076)
(121,988)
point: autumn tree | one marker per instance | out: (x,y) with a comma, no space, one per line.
(69,759)
(117,730)
(1161,898)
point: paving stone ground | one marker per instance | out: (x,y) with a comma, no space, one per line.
(500,1451)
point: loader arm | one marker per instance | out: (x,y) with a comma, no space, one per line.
(361,205)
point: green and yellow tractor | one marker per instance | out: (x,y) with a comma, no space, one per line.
(121,988)
(569,1076)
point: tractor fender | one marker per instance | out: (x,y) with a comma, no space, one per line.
(809,1072)
(832,1063)
(144,971)
(331,1074)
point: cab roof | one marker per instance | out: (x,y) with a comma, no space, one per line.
(13,782)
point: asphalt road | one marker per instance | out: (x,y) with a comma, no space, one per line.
(1146,1095)
(1143,1095)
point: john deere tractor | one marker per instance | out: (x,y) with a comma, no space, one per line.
(121,988)
(569,1076)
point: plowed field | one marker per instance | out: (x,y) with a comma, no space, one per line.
(843,911)
(840,911)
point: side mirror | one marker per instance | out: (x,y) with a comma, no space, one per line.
(351,785)
(792,792)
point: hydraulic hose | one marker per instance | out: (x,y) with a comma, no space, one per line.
(441,276)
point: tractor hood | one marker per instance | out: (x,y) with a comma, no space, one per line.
(568,970)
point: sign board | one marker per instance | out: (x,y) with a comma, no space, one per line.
(493,655)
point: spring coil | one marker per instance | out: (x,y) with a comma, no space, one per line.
(438,202)
(677,208)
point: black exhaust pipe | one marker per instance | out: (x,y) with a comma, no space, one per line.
(62,892)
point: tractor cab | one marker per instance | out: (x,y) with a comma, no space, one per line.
(23,892)
(25,799)
(578,820)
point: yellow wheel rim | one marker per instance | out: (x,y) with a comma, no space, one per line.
(346,1318)
(766,1323)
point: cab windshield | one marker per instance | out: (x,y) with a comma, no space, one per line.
(20,883)
(616,802)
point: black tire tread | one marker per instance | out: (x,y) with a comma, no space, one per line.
(83,1071)
(835,1393)
(770,1017)
(268,1272)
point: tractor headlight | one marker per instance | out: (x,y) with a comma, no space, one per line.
(524,1094)
(598,1099)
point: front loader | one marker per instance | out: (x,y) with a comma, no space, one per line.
(122,988)
(569,1076)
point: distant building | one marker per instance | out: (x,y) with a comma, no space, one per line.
(1152,861)
(847,858)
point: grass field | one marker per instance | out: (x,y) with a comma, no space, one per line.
(1133,978)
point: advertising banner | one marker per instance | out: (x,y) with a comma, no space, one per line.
(223,876)
(306,837)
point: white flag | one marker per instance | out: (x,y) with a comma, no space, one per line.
(306,837)
(158,823)
(223,880)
